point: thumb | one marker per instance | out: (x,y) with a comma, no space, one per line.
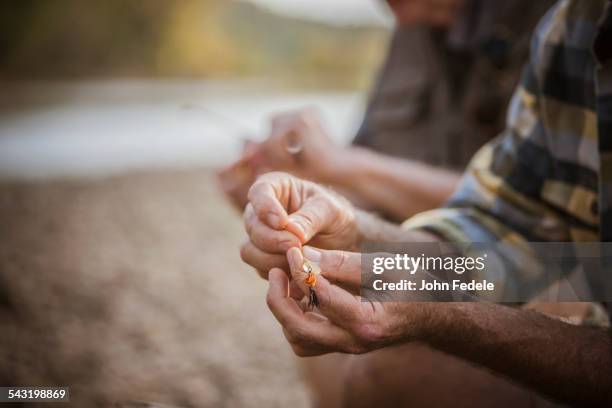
(315,215)
(335,303)
(339,267)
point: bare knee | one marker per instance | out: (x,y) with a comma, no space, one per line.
(370,381)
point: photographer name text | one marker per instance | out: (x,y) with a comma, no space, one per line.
(425,285)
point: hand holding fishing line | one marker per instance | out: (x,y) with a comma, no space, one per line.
(298,143)
(283,215)
(342,322)
(286,212)
(291,141)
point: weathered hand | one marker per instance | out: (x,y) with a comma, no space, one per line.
(299,144)
(343,322)
(235,182)
(236,179)
(285,212)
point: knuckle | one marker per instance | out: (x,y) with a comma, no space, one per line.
(253,190)
(295,333)
(326,300)
(248,212)
(248,256)
(274,243)
(281,244)
(309,219)
(245,252)
(337,260)
(307,225)
(327,208)
(260,184)
(262,238)
(270,301)
(368,333)
(262,211)
(248,227)
(289,336)
(354,348)
(299,351)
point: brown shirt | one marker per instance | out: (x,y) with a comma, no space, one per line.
(442,95)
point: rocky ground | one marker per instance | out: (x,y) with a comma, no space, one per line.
(131,288)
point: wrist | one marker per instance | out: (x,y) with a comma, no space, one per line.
(337,167)
(398,323)
(416,321)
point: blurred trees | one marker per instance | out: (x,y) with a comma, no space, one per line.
(192,38)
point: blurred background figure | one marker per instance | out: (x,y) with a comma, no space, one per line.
(441,93)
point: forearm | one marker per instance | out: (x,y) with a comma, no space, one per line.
(374,229)
(567,362)
(399,188)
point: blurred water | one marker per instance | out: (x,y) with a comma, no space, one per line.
(96,128)
(336,12)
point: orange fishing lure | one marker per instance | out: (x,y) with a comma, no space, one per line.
(311,271)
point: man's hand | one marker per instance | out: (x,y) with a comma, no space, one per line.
(285,212)
(235,182)
(343,323)
(236,179)
(299,144)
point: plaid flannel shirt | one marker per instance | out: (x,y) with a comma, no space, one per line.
(548,176)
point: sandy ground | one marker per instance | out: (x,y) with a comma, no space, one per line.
(131,289)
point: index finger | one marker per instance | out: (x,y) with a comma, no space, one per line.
(266,204)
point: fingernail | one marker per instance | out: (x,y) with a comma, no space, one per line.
(274,221)
(312,254)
